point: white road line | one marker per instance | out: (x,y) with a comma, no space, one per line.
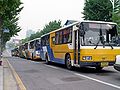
(109,84)
(52,67)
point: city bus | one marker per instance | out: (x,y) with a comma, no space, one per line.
(34,49)
(21,51)
(15,52)
(81,44)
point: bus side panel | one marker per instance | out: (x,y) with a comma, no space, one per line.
(43,50)
(52,57)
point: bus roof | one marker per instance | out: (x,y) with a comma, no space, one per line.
(45,34)
(77,22)
(87,21)
(99,22)
(34,39)
(65,26)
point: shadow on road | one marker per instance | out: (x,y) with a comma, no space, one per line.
(84,70)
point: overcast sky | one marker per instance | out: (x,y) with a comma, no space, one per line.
(37,13)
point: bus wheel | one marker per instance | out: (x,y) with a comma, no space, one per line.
(46,59)
(32,57)
(98,68)
(68,62)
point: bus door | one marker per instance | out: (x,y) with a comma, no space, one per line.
(76,47)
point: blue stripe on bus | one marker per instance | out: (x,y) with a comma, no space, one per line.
(52,58)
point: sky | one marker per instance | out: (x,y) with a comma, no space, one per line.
(37,13)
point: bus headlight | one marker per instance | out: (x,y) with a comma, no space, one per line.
(37,52)
(87,57)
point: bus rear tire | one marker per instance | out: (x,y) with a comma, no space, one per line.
(68,62)
(32,57)
(46,59)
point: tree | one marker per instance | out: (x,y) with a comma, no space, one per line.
(116,13)
(9,10)
(99,10)
(52,25)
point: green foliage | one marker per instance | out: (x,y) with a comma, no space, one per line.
(9,10)
(99,10)
(116,13)
(52,25)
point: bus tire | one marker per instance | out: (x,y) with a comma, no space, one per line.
(46,59)
(98,68)
(32,57)
(68,62)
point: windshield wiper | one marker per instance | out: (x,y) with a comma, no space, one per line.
(103,42)
(98,42)
(110,45)
(101,38)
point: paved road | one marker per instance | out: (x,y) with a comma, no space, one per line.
(39,76)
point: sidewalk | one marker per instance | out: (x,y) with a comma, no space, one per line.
(9,82)
(1,77)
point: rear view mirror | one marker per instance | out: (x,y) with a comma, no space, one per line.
(82,33)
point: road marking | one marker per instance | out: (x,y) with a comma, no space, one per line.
(52,67)
(93,79)
(19,81)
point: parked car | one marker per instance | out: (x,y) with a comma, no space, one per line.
(117,63)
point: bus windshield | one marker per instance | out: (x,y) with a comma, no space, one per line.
(37,45)
(98,34)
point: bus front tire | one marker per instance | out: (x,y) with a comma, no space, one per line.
(32,57)
(98,68)
(68,62)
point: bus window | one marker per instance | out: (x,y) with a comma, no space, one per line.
(53,40)
(31,45)
(98,34)
(60,38)
(45,40)
(26,45)
(37,44)
(67,35)
(57,38)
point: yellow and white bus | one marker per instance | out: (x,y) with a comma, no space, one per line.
(81,44)
(34,49)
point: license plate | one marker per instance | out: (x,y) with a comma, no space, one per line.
(103,64)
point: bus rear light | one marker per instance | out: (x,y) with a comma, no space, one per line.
(87,57)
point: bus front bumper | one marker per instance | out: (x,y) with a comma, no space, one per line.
(95,64)
(36,57)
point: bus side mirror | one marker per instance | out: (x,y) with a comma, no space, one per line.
(81,30)
(82,33)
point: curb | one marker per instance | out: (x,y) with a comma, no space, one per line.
(1,76)
(17,78)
